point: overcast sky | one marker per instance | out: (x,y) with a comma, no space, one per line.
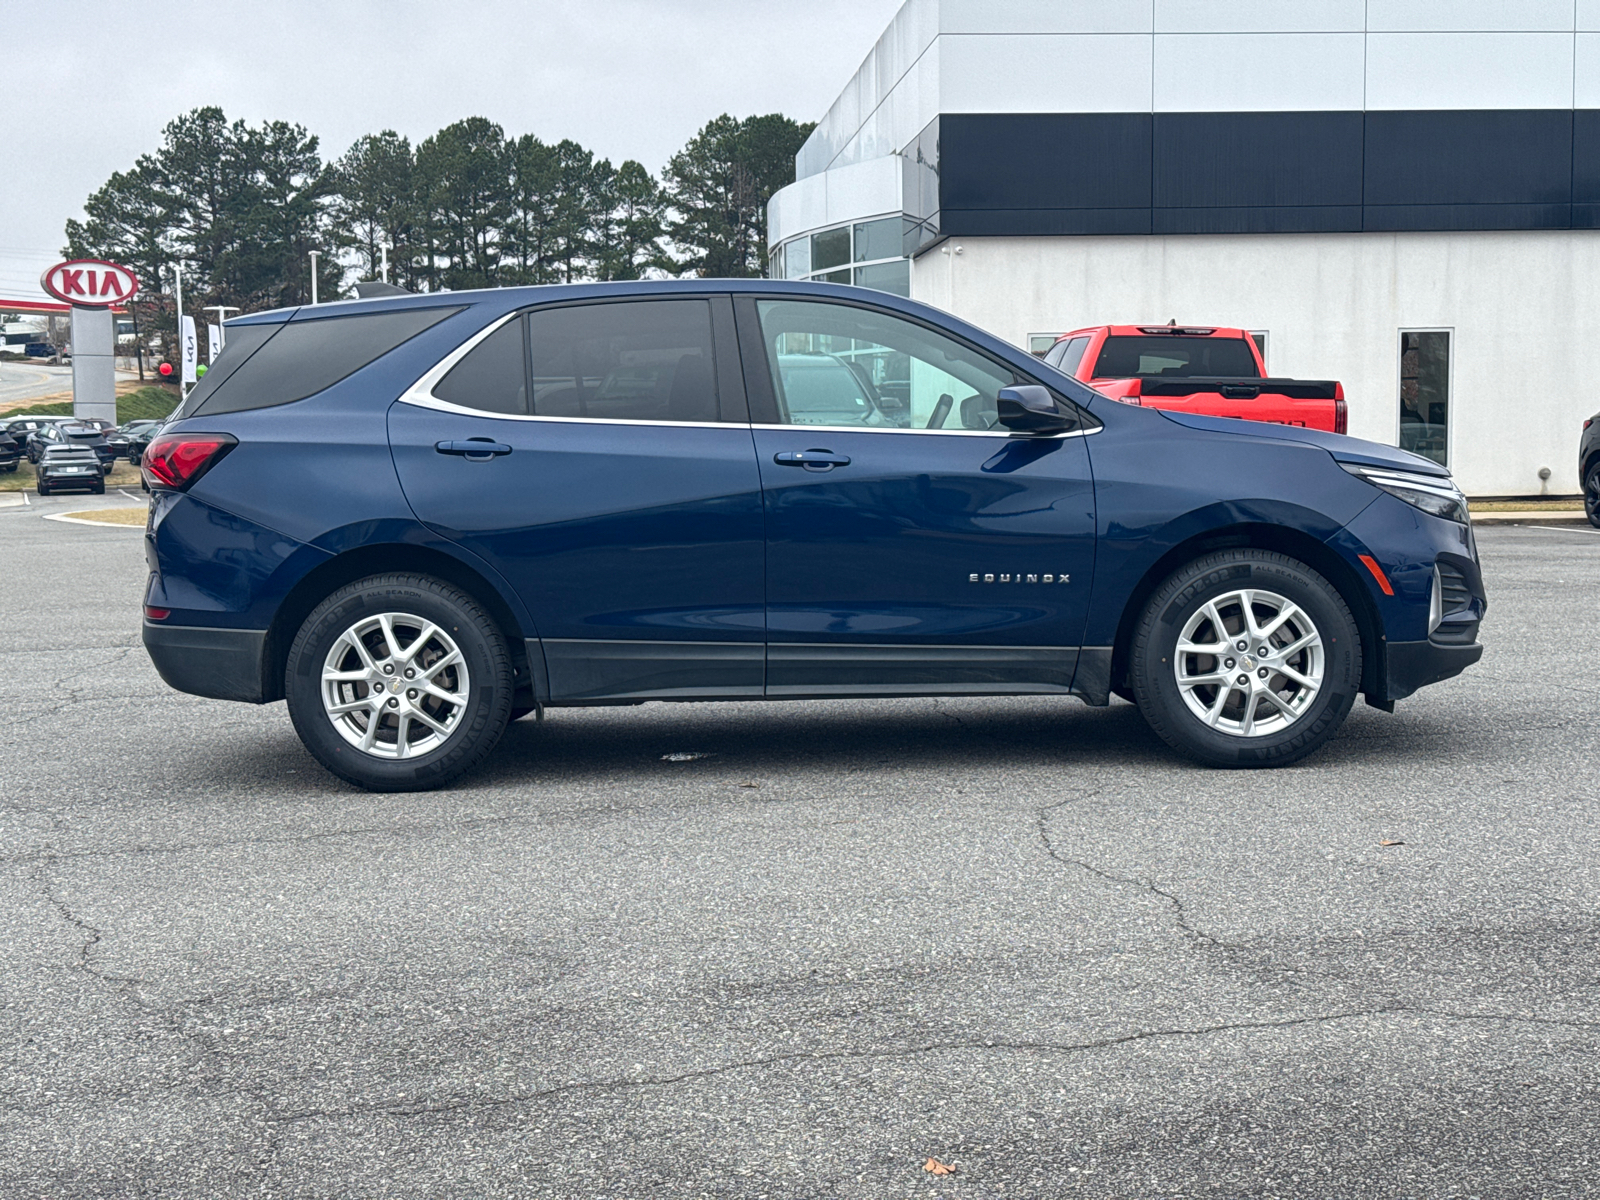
(91,83)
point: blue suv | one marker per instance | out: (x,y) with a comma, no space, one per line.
(416,518)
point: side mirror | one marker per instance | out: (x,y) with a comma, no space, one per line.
(1029,408)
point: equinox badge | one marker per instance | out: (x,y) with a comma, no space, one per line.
(976,578)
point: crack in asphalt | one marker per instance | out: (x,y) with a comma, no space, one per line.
(1179,912)
(626,1083)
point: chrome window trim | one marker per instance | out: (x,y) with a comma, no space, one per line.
(421,392)
(1005,433)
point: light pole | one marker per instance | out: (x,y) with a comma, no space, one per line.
(315,254)
(177,292)
(222,311)
(383,272)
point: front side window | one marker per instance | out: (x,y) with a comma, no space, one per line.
(637,360)
(1425,394)
(839,365)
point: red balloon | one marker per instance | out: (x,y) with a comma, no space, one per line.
(166,368)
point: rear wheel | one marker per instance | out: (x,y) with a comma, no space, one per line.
(44,488)
(1246,658)
(1591,495)
(399,683)
(99,489)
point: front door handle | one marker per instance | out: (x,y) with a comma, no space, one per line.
(812,460)
(474,449)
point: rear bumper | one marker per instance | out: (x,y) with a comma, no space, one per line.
(221,664)
(1413,665)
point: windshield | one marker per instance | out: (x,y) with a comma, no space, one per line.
(1161,356)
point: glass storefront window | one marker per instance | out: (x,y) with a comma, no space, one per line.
(797,258)
(878,239)
(833,276)
(775,263)
(1425,393)
(830,249)
(886,277)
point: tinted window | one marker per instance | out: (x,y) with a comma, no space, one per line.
(836,364)
(493,375)
(1175,357)
(645,360)
(1067,355)
(304,357)
(243,341)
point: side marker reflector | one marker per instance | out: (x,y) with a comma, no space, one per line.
(1371,564)
(156,614)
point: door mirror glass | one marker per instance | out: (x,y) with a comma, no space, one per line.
(1030,408)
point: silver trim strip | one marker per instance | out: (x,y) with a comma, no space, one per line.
(421,392)
(1002,433)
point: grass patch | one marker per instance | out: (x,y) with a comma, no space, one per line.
(142,404)
(22,479)
(1563,505)
(111,516)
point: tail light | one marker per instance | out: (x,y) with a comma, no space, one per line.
(1131,396)
(1341,411)
(1588,423)
(176,460)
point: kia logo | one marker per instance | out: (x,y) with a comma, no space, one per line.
(90,283)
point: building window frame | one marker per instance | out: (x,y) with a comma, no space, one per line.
(780,255)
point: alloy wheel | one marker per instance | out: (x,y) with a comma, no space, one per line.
(395,685)
(1249,663)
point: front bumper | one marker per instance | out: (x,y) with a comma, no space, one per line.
(221,664)
(1413,665)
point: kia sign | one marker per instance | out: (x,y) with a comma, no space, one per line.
(90,283)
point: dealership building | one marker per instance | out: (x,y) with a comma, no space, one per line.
(1399,194)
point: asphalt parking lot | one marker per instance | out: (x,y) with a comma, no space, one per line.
(1017,936)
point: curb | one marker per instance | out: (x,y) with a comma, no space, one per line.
(1525,516)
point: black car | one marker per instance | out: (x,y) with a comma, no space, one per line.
(21,430)
(71,433)
(138,434)
(121,438)
(64,465)
(1589,468)
(10,451)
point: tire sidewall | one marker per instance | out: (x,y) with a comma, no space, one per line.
(482,648)
(1591,497)
(1155,681)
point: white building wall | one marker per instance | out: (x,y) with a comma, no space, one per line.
(1520,305)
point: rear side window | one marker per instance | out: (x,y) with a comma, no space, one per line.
(303,357)
(636,360)
(1175,357)
(493,375)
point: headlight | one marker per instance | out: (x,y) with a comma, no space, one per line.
(1436,495)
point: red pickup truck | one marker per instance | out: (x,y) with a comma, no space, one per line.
(1212,371)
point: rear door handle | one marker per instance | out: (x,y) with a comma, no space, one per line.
(474,449)
(812,460)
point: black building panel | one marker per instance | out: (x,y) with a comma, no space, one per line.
(1499,156)
(1257,160)
(1340,218)
(1025,161)
(1286,172)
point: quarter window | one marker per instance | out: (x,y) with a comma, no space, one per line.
(1066,356)
(493,375)
(646,360)
(839,365)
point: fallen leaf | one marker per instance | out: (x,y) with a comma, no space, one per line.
(934,1167)
(1388,842)
(750,783)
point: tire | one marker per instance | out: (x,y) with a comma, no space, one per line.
(1246,727)
(1591,495)
(43,488)
(408,603)
(99,489)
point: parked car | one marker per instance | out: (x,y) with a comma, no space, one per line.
(122,438)
(21,429)
(1197,369)
(140,438)
(10,452)
(407,517)
(1589,468)
(65,466)
(74,433)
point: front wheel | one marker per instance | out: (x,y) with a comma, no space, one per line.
(1246,658)
(399,683)
(1591,496)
